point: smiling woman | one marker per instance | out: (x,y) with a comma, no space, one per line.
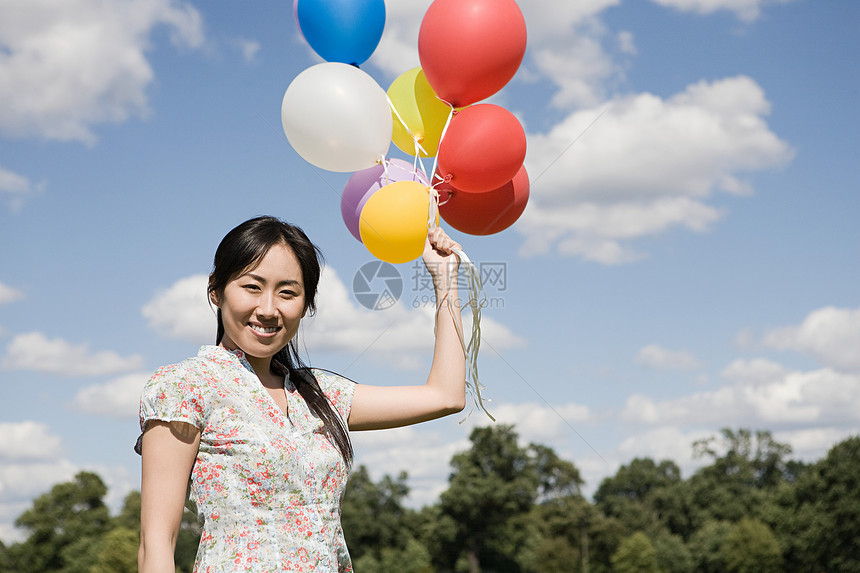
(263,438)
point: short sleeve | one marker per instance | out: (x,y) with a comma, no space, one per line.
(338,389)
(173,394)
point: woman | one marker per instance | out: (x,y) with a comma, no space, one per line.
(264,439)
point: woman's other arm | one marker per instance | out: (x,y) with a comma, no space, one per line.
(378,407)
(168,453)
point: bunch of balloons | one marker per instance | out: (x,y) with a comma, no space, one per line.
(338,118)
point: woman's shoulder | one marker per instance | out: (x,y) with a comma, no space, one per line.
(202,367)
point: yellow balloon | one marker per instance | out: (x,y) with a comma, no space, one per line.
(393,222)
(418,106)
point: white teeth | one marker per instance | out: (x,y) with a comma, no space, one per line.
(263,330)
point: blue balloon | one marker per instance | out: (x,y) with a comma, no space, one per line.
(345,31)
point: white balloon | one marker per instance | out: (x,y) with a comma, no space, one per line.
(337,117)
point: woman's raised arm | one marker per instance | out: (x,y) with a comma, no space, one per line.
(378,407)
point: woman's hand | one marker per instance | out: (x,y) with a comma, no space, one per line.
(440,260)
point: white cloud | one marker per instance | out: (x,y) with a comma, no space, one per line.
(8,294)
(747,10)
(664,443)
(759,393)
(35,351)
(655,356)
(831,335)
(578,65)
(812,444)
(399,333)
(182,311)
(67,65)
(398,48)
(249,48)
(17,188)
(644,166)
(118,398)
(28,440)
(22,481)
(626,43)
(535,423)
(9,511)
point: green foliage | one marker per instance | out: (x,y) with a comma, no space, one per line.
(751,547)
(642,495)
(374,518)
(414,558)
(118,553)
(519,509)
(636,554)
(821,517)
(706,546)
(62,525)
(492,483)
(673,555)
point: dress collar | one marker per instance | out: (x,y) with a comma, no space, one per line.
(220,354)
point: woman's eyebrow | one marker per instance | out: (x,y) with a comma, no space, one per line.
(289,282)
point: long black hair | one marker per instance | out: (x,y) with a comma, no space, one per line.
(243,248)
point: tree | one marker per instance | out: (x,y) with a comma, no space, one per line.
(744,475)
(62,524)
(643,495)
(759,460)
(118,553)
(673,556)
(706,546)
(636,554)
(563,529)
(493,482)
(557,478)
(751,547)
(821,519)
(374,519)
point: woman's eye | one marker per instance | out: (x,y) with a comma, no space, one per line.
(251,287)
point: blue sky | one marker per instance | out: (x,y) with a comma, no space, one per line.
(691,262)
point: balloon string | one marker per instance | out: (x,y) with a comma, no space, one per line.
(477,300)
(441,139)
(406,127)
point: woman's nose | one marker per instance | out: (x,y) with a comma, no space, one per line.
(266,305)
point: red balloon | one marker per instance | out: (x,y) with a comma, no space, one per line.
(483,148)
(469,49)
(488,212)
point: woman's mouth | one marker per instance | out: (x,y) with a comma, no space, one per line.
(263,329)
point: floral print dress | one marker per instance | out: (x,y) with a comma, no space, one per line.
(268,486)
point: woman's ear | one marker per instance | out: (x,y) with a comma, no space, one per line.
(213,296)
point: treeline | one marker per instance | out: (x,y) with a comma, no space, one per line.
(508,508)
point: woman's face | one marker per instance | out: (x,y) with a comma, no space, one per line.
(262,307)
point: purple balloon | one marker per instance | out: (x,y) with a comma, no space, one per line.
(362,184)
